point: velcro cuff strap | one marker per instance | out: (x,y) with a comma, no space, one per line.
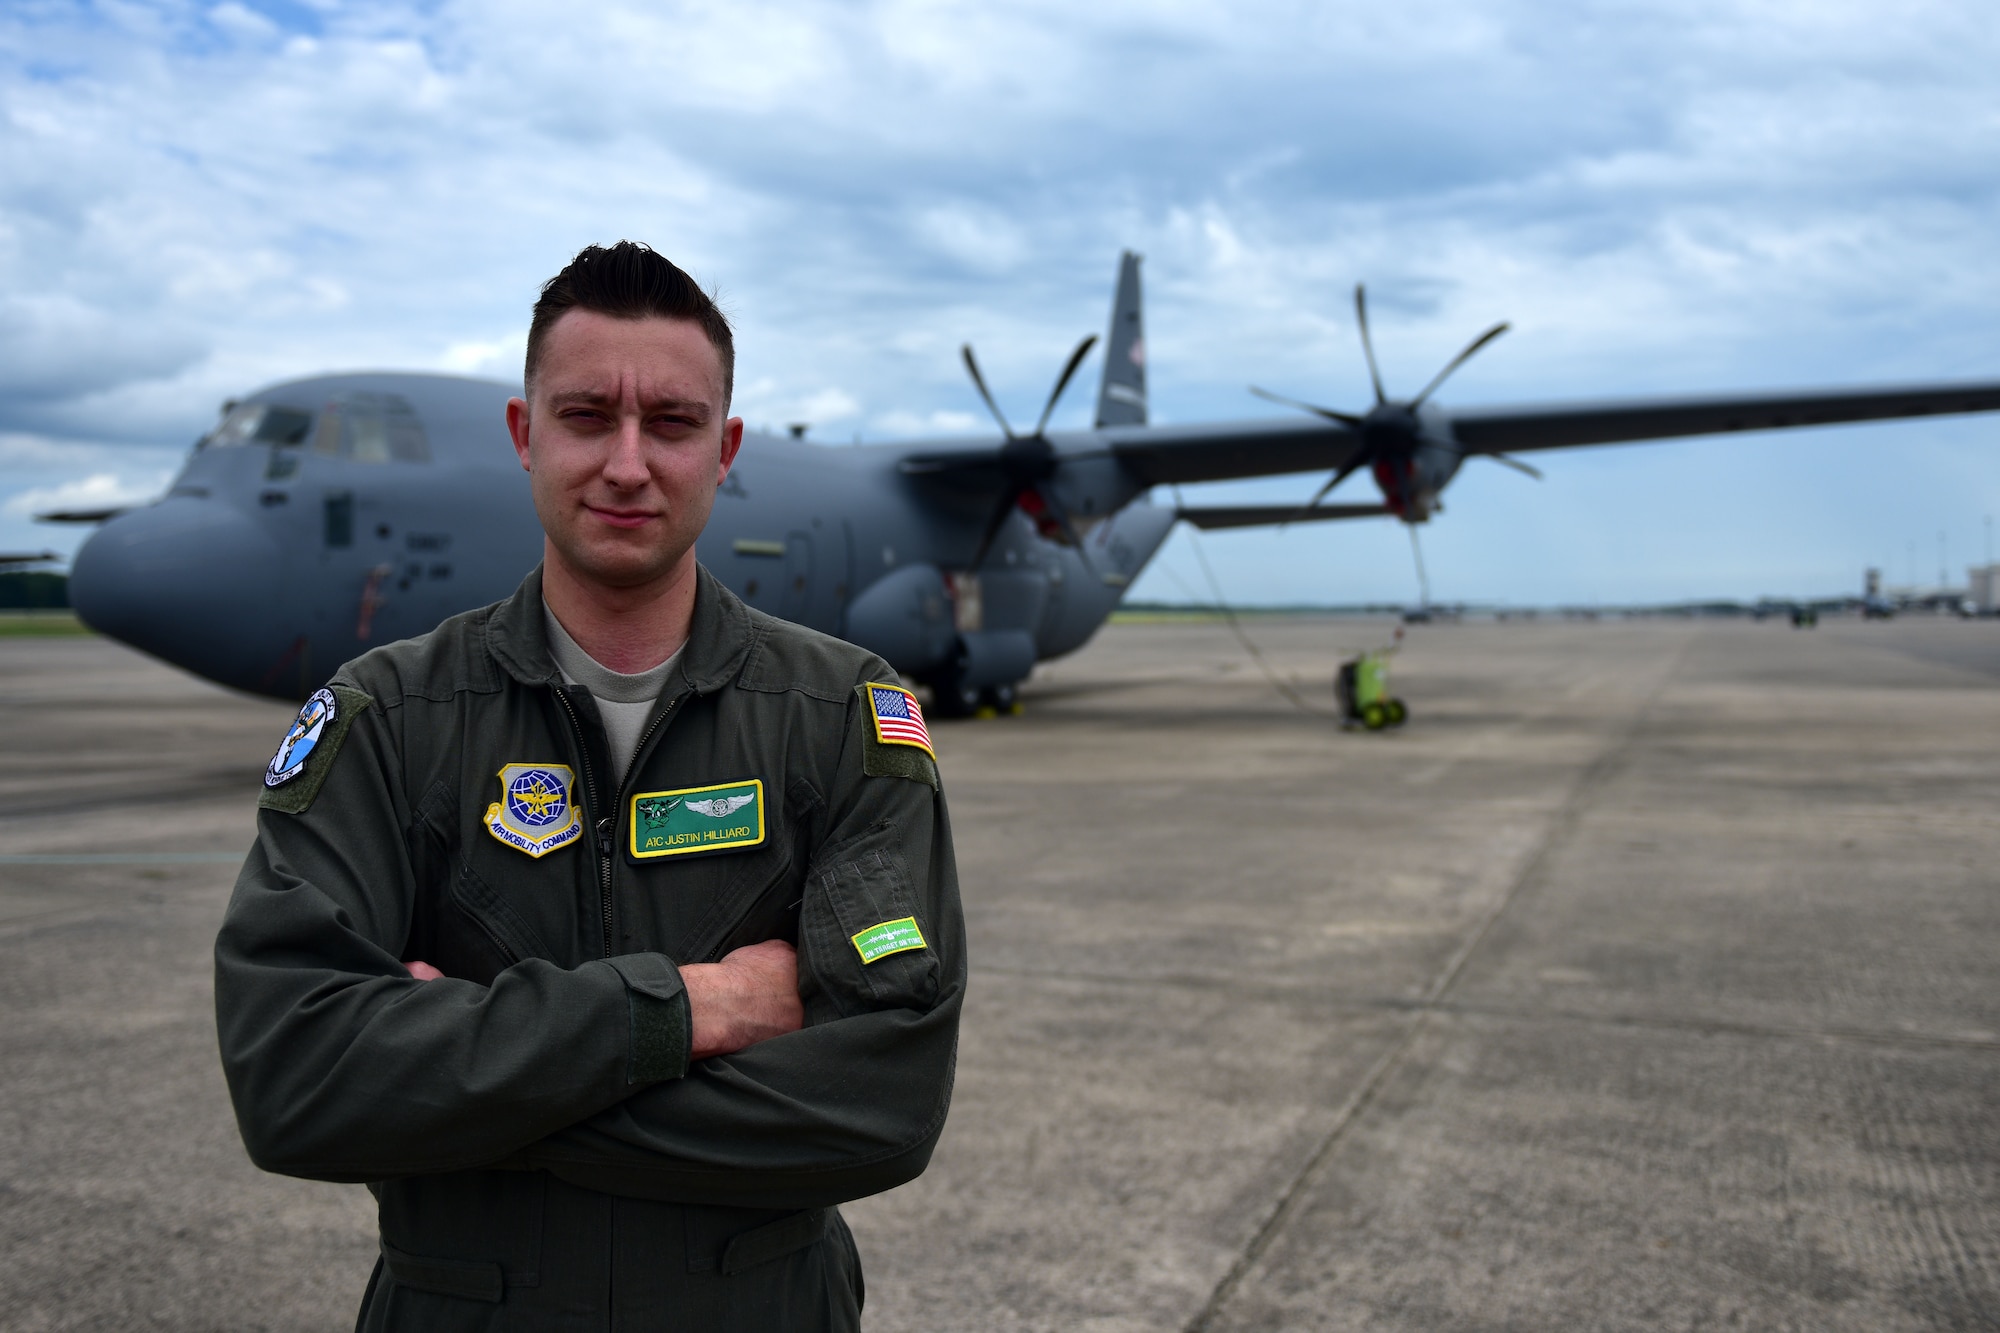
(662,1026)
(774,1240)
(464,1278)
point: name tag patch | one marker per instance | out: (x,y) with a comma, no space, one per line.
(536,812)
(887,938)
(719,818)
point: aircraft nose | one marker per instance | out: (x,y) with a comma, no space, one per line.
(190,580)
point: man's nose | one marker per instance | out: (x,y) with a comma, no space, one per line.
(625,466)
(190,580)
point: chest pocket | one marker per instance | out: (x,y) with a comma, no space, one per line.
(862,938)
(697,908)
(461,924)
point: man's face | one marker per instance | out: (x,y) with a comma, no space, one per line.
(625,442)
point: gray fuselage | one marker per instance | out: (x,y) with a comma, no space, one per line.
(329,515)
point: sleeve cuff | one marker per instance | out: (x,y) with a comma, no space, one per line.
(661,1024)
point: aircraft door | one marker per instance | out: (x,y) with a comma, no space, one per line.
(795,598)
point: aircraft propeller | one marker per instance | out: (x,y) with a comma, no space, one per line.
(1027,463)
(1389,430)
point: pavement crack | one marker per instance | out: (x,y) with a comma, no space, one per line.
(1582,794)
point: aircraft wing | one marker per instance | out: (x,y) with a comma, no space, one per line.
(1277,446)
(1164,455)
(1566,425)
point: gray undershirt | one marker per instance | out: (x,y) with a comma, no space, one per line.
(624,702)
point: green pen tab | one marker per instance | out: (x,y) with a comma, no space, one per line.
(887,938)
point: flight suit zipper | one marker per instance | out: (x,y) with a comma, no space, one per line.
(607,825)
(596,808)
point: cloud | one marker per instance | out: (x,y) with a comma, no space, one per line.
(99,490)
(54,348)
(499,358)
(942,421)
(242,23)
(196,199)
(974,237)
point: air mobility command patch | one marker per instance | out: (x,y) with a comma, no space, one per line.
(897,745)
(536,812)
(889,937)
(721,818)
(294,776)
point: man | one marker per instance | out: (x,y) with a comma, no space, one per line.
(611,932)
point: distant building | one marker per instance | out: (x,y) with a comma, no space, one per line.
(1984,593)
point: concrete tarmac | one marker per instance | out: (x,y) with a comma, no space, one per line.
(1645,980)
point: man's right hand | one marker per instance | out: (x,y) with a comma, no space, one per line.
(751,995)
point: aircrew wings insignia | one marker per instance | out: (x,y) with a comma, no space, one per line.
(721,805)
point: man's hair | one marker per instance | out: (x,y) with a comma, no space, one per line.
(629,281)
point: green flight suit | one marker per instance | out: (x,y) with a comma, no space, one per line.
(543,1151)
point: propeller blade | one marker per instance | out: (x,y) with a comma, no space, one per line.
(1062,380)
(1460,360)
(979,383)
(1327,489)
(1367,343)
(1517,465)
(1344,418)
(993,526)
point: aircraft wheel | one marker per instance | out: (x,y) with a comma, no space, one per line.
(1004,700)
(1375,716)
(1399,713)
(950,699)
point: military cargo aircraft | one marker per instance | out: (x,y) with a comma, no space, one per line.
(324,516)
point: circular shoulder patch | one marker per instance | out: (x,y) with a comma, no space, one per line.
(301,739)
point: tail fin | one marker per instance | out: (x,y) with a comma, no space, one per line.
(1122,399)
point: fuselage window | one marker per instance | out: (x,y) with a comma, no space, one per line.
(371,428)
(258,423)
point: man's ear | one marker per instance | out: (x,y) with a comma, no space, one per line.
(732,440)
(517,428)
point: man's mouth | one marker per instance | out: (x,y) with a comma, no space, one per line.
(623,518)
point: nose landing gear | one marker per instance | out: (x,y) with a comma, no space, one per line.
(952,698)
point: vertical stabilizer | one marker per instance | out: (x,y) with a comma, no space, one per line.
(1122,399)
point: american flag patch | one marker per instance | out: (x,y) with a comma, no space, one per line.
(898,719)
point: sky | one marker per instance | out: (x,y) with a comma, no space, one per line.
(1664,198)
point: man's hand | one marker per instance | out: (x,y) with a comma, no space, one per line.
(751,995)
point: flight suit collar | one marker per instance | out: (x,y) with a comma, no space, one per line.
(720,637)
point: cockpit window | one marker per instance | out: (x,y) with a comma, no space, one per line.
(259,423)
(371,428)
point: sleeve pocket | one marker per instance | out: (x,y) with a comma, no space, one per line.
(855,889)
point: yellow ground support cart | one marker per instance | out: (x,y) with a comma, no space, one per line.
(1362,687)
